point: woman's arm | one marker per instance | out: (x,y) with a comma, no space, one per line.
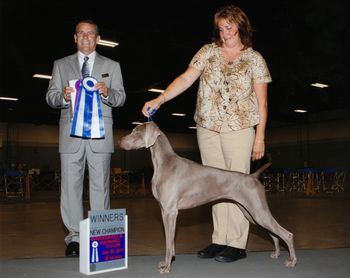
(259,142)
(178,86)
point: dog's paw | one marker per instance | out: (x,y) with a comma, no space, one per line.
(290,262)
(163,267)
(161,264)
(275,254)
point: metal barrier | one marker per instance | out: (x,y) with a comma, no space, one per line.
(14,183)
(120,183)
(31,184)
(308,181)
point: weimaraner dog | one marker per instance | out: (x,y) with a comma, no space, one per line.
(179,183)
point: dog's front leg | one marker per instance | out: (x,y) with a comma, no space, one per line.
(169,222)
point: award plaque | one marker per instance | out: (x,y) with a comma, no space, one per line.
(76,85)
(103,241)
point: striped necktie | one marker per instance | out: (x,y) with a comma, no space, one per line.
(85,69)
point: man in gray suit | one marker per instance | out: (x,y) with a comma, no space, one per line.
(75,152)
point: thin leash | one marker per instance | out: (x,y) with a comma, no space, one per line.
(150,114)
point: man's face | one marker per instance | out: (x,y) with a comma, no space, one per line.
(86,38)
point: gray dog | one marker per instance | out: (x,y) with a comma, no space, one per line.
(179,183)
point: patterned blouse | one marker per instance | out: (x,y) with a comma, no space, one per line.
(226,91)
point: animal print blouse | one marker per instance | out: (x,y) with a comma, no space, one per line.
(226,90)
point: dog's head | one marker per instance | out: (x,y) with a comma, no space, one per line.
(142,136)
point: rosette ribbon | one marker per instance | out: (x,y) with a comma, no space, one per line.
(87,118)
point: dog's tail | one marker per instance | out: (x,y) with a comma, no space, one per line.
(261,169)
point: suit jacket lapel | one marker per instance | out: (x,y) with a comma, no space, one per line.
(96,70)
(74,64)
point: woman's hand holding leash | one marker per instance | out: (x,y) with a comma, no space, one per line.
(152,106)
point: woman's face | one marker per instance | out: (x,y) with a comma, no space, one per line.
(228,32)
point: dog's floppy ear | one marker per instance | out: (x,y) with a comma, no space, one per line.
(151,135)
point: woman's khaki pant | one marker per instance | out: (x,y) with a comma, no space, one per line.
(230,151)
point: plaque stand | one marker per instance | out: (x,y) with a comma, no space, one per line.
(104,241)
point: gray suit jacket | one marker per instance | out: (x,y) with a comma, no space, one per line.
(104,70)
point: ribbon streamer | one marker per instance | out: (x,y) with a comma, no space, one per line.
(94,257)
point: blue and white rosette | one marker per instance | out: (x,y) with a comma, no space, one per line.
(87,119)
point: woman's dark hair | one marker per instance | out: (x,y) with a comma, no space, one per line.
(233,14)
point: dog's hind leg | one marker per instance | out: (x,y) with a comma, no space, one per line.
(276,253)
(169,222)
(265,219)
(258,212)
(287,237)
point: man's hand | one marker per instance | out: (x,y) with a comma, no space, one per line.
(102,88)
(67,93)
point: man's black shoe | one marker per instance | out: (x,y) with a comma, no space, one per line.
(230,254)
(72,249)
(211,251)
